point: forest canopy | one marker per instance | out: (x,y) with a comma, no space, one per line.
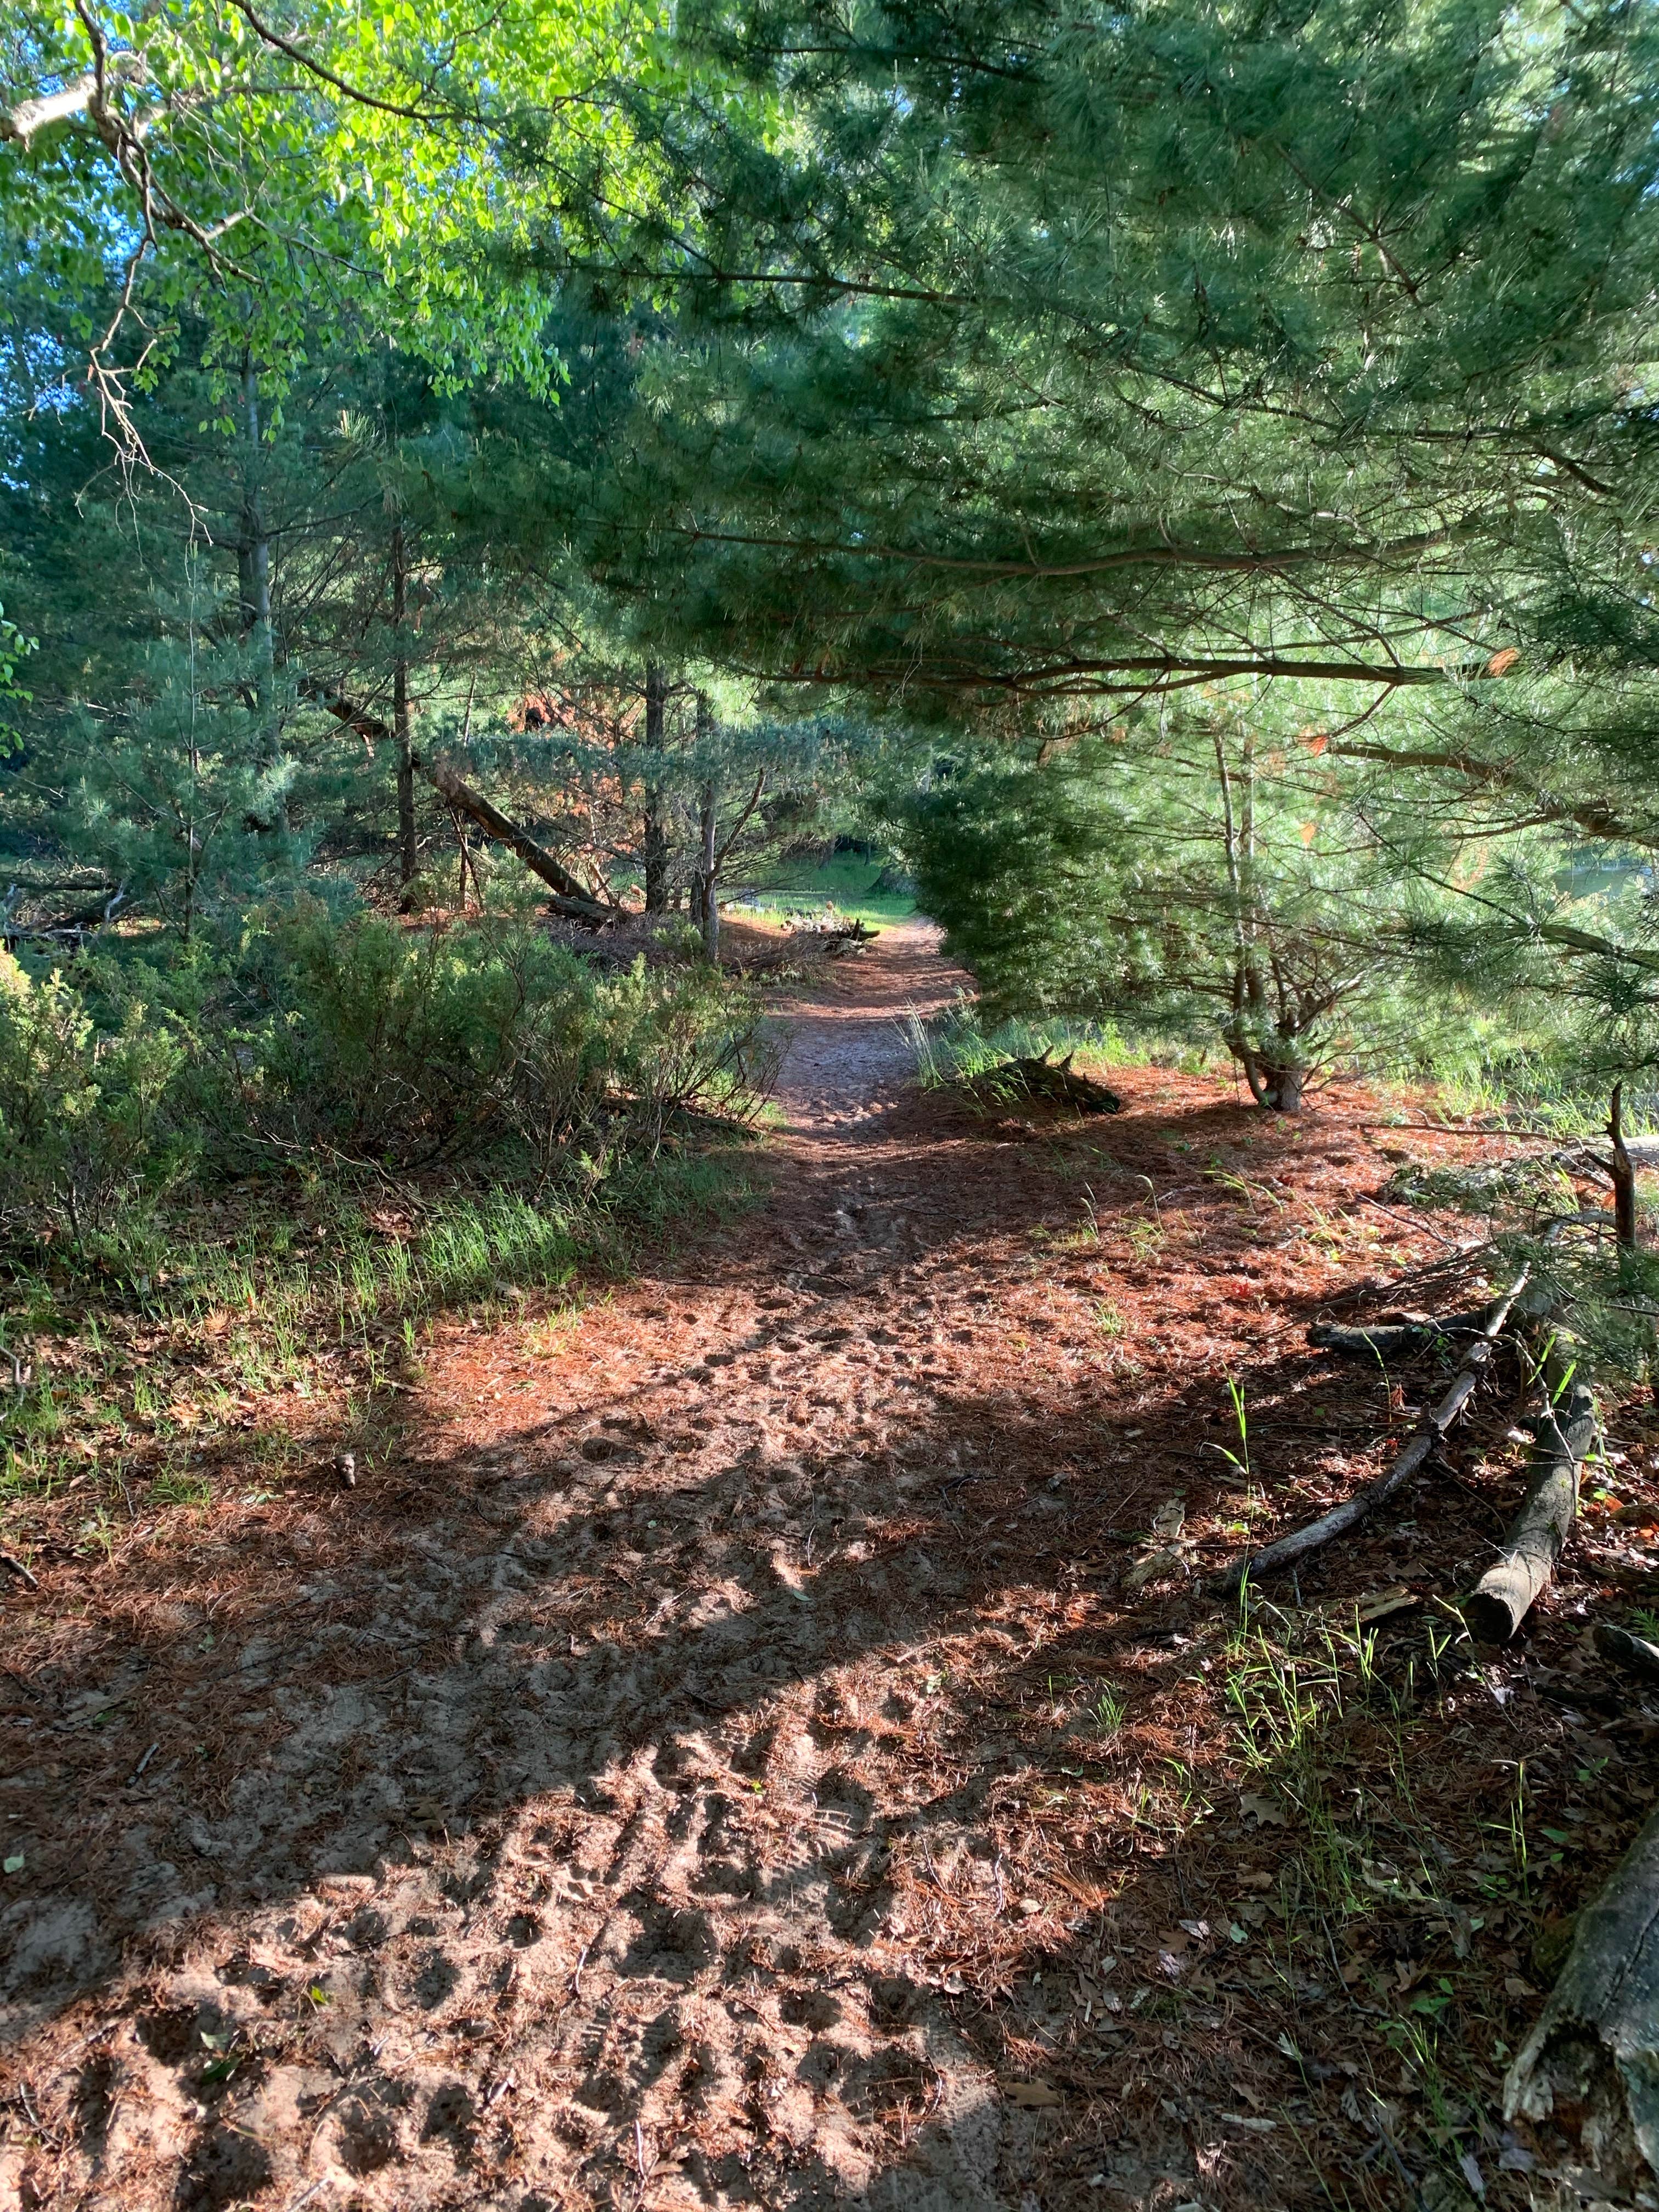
(1182,475)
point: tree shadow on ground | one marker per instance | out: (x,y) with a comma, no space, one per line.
(595,1817)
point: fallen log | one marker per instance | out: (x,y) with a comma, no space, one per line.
(1412,1455)
(1395,1339)
(1633,1653)
(1591,2064)
(1507,1592)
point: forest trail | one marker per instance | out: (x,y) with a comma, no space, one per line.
(717,1757)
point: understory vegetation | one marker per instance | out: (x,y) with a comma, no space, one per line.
(258,1167)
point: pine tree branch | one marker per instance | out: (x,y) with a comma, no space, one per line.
(1207,559)
(1595,821)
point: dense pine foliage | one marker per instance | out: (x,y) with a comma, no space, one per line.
(1187,472)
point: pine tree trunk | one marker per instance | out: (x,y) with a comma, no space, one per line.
(408,847)
(706,884)
(655,844)
(707,887)
(1285,1089)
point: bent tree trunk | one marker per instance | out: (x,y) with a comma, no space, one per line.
(1277,1085)
(1591,2064)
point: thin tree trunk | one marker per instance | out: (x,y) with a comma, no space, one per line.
(1238,845)
(1624,1176)
(253,581)
(402,723)
(654,842)
(706,885)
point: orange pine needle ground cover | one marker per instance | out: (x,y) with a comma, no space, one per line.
(766,1740)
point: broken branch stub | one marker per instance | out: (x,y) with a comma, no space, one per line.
(1591,2064)
(1507,1592)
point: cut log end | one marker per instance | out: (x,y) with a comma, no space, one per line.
(1511,1586)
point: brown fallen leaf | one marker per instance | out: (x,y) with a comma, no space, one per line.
(1031,2096)
(1263,1810)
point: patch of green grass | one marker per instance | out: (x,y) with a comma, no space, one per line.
(303,1289)
(849,882)
(1107,1710)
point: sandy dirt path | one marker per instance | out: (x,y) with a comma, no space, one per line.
(676,1775)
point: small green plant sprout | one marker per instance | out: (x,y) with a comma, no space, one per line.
(1107,1710)
(1087,1232)
(1241,1458)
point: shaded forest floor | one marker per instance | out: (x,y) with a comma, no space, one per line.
(723,1751)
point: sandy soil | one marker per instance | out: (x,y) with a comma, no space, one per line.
(673,1777)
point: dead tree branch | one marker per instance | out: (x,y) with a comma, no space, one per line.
(1414,1455)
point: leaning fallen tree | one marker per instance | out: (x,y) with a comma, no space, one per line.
(570,898)
(1591,2064)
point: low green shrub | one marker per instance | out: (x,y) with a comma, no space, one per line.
(357,1042)
(85,1138)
